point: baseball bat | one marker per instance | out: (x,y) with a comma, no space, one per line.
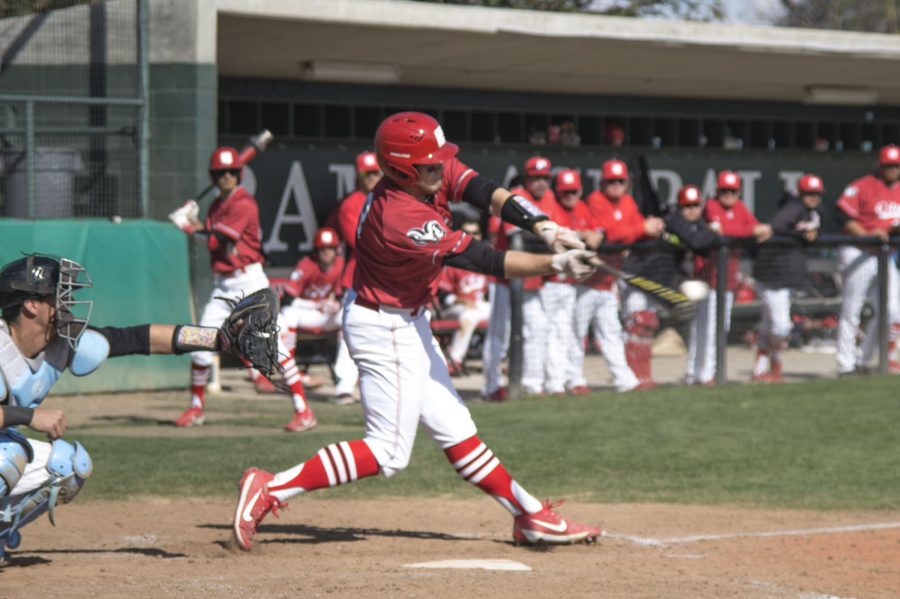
(668,297)
(255,146)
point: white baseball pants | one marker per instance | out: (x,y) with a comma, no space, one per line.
(600,309)
(404,382)
(496,340)
(558,300)
(775,325)
(535,327)
(468,317)
(701,364)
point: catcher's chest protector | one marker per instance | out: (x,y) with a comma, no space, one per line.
(27,382)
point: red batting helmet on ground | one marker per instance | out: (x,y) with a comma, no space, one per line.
(810,183)
(409,138)
(224,158)
(728,180)
(889,155)
(366,162)
(689,195)
(568,180)
(326,237)
(537,166)
(614,170)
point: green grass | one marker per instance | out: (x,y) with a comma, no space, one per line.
(819,445)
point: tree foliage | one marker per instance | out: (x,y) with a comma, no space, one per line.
(874,16)
(693,10)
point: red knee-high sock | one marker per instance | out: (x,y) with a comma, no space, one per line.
(333,465)
(478,465)
(199,380)
(292,378)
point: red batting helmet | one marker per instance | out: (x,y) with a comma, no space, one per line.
(614,169)
(568,180)
(326,237)
(409,138)
(728,180)
(537,166)
(810,183)
(225,158)
(366,162)
(689,195)
(889,155)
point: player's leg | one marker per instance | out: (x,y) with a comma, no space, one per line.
(762,363)
(534,341)
(558,300)
(495,342)
(449,423)
(393,369)
(780,328)
(858,270)
(586,302)
(702,336)
(871,338)
(345,371)
(641,324)
(609,335)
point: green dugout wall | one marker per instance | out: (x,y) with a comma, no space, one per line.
(140,274)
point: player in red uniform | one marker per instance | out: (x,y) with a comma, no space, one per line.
(728,216)
(403,242)
(869,206)
(346,217)
(311,302)
(232,236)
(616,213)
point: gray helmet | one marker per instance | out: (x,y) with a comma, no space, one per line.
(38,275)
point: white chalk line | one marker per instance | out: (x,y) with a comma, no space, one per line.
(662,542)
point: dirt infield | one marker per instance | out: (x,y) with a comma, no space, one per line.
(334,548)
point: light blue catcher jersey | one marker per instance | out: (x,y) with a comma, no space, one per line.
(26,382)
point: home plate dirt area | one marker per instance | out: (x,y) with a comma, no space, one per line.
(155,547)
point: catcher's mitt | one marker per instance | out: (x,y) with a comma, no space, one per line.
(251,330)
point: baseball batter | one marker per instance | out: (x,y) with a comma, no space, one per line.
(728,216)
(44,331)
(232,237)
(403,242)
(779,269)
(345,219)
(869,206)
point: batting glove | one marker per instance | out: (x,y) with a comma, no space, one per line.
(186,218)
(559,239)
(574,264)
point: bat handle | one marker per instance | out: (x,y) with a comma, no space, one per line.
(205,191)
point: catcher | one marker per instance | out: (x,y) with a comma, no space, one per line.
(44,330)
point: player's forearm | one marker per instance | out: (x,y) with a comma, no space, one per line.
(517,265)
(853,227)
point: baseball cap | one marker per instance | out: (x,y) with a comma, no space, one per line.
(568,180)
(689,195)
(889,154)
(537,166)
(810,183)
(728,180)
(614,169)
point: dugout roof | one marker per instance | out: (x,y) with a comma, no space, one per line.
(423,44)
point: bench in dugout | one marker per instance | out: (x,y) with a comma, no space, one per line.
(444,328)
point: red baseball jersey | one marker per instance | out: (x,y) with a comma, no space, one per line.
(402,241)
(871,202)
(310,282)
(579,218)
(346,219)
(464,284)
(621,222)
(237,218)
(549,206)
(736,221)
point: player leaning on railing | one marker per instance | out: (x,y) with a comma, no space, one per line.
(403,242)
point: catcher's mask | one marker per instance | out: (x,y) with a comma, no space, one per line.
(39,275)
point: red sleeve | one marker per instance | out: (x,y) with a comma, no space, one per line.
(298,281)
(338,269)
(848,203)
(446,283)
(456,176)
(236,217)
(748,220)
(417,232)
(632,221)
(348,217)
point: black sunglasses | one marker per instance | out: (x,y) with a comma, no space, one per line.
(234,172)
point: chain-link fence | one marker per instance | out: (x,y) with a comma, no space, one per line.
(73,118)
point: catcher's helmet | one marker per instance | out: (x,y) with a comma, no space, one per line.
(36,276)
(689,195)
(810,183)
(326,237)
(406,139)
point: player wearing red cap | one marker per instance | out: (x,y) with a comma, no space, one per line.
(536,190)
(232,235)
(344,219)
(869,206)
(726,215)
(780,269)
(403,243)
(616,213)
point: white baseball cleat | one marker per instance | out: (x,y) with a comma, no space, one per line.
(253,505)
(546,526)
